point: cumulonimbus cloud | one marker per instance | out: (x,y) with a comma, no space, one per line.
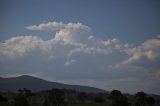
(76,38)
(73,49)
(75,35)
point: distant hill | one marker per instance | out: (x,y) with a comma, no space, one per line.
(37,84)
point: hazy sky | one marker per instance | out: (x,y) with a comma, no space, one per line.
(109,44)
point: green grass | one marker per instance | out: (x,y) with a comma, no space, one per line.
(89,104)
(6,104)
(78,104)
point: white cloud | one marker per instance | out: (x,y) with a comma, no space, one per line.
(19,45)
(68,62)
(71,37)
(73,33)
(75,38)
(147,51)
(50,26)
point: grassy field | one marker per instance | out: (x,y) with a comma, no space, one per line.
(79,104)
(89,104)
(6,104)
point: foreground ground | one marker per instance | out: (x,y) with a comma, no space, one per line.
(79,104)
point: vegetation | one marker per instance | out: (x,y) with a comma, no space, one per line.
(118,99)
(143,100)
(22,98)
(64,97)
(56,98)
(82,96)
(90,104)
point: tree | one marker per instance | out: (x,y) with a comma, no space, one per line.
(22,96)
(56,97)
(118,99)
(150,101)
(82,96)
(142,99)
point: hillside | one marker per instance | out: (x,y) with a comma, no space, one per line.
(37,84)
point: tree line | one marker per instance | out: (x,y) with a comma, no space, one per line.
(62,97)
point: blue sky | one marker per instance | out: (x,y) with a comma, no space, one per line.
(107,44)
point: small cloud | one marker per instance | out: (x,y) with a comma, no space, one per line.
(90,37)
(50,26)
(69,62)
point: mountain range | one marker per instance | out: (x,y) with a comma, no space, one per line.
(36,84)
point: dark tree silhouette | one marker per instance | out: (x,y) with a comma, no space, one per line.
(56,97)
(143,100)
(118,99)
(82,96)
(140,99)
(22,97)
(150,101)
